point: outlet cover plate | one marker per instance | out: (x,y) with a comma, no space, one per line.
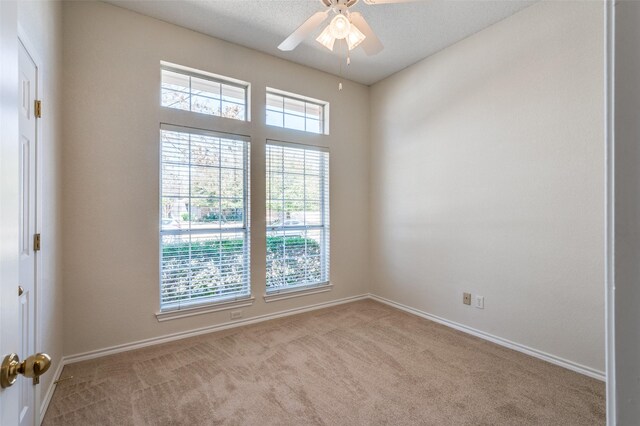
(480,302)
(466,298)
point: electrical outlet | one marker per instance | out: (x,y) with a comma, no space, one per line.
(236,314)
(480,302)
(466,298)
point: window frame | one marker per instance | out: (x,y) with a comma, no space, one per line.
(323,105)
(208,304)
(324,284)
(215,78)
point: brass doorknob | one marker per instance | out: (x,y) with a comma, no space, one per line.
(32,367)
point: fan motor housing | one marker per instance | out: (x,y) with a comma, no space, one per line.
(331,3)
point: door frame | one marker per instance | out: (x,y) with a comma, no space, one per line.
(33,53)
(609,249)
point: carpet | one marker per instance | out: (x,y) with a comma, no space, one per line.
(361,363)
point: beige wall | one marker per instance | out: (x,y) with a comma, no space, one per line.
(41,25)
(486,165)
(487,177)
(111,125)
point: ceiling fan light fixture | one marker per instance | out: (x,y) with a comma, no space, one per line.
(355,37)
(340,27)
(326,38)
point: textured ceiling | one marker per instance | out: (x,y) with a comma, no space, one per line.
(409,31)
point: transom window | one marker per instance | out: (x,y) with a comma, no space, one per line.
(200,92)
(204,228)
(296,112)
(297,216)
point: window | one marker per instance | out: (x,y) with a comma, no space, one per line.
(196,91)
(204,230)
(296,112)
(297,216)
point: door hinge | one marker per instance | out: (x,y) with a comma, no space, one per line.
(37,110)
(36,242)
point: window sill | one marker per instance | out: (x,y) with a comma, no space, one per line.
(204,309)
(297,292)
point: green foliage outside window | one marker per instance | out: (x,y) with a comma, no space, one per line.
(210,268)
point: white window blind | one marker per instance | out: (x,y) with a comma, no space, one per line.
(204,230)
(201,93)
(297,216)
(297,113)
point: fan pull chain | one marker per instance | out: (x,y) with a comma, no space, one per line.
(340,75)
(347,67)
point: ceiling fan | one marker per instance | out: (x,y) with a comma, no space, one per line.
(345,25)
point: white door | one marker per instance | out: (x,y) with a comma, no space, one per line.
(18,258)
(28,78)
(9,252)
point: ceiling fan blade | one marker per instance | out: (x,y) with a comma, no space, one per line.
(303,31)
(371,44)
(374,2)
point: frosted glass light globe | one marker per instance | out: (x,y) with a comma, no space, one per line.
(340,27)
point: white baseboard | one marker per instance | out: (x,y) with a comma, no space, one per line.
(578,368)
(52,387)
(588,371)
(204,330)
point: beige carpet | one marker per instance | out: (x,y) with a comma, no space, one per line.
(361,363)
